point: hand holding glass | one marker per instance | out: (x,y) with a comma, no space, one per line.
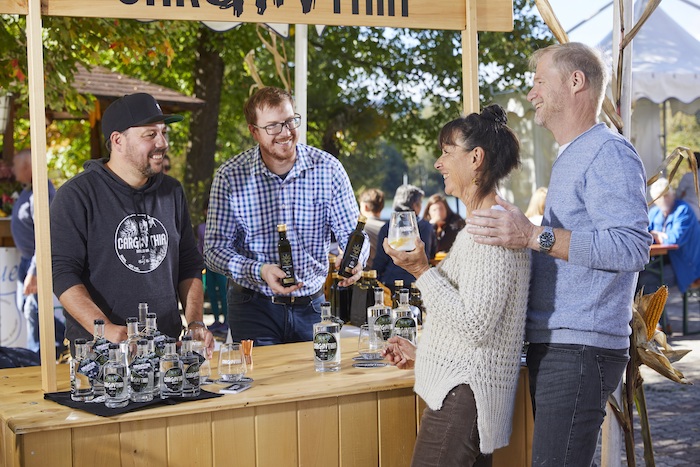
(232,366)
(371,342)
(403,231)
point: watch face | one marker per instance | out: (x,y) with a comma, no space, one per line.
(546,240)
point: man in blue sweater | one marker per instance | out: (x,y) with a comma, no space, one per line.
(592,243)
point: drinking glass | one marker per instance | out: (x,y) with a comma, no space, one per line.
(371,342)
(232,365)
(403,231)
(204,357)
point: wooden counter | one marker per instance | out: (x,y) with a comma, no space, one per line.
(292,416)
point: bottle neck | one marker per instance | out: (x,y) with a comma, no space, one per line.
(81,351)
(99,331)
(132,329)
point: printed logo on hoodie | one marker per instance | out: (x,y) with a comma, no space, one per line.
(141,242)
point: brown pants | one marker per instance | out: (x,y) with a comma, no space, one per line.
(449,436)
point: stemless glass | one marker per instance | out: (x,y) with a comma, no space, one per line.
(232,365)
(204,365)
(370,343)
(403,231)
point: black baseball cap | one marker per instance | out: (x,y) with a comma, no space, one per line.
(134,110)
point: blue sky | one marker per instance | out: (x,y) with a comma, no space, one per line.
(570,13)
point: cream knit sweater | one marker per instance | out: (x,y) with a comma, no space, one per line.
(475,301)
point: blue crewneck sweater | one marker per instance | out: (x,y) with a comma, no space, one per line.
(598,192)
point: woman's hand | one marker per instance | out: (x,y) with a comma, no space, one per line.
(414,262)
(400,352)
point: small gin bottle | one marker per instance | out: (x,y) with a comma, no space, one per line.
(155,362)
(404,320)
(99,350)
(143,312)
(190,368)
(379,317)
(141,374)
(170,371)
(130,346)
(116,383)
(152,330)
(83,371)
(326,341)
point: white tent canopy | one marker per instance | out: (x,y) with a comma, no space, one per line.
(665,67)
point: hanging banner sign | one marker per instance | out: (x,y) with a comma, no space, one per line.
(13,328)
(492,15)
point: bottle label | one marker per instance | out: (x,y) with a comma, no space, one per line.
(79,382)
(383,322)
(140,375)
(325,346)
(287,266)
(406,328)
(173,379)
(89,368)
(114,385)
(192,374)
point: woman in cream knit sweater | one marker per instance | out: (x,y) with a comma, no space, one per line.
(468,360)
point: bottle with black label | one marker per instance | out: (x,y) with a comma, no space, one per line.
(99,350)
(404,323)
(416,302)
(115,379)
(351,255)
(141,374)
(83,371)
(190,368)
(285,251)
(326,341)
(379,315)
(170,371)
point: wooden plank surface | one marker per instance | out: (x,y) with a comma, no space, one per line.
(143,443)
(359,430)
(189,440)
(233,432)
(276,435)
(45,448)
(397,427)
(318,442)
(96,445)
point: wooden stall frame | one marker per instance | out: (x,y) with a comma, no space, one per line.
(467,16)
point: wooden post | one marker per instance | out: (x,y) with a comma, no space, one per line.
(470,62)
(40,183)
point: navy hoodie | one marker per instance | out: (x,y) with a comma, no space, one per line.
(125,245)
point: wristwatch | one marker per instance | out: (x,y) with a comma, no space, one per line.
(546,239)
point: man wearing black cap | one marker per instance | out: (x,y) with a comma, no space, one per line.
(121,232)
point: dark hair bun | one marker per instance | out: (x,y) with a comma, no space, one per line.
(495,113)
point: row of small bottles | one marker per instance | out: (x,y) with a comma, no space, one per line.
(137,369)
(350,259)
(397,321)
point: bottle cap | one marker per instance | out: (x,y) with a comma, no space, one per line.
(372,273)
(150,315)
(362,219)
(80,341)
(113,346)
(99,321)
(132,320)
(142,342)
(281,227)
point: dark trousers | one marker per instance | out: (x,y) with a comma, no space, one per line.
(569,386)
(450,436)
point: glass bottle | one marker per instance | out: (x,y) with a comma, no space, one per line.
(99,348)
(130,345)
(115,378)
(379,315)
(83,371)
(326,341)
(285,251)
(141,374)
(351,255)
(370,282)
(155,362)
(416,301)
(404,322)
(190,368)
(170,371)
(152,330)
(398,285)
(143,313)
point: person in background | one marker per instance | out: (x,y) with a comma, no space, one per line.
(22,227)
(214,285)
(445,221)
(166,165)
(535,209)
(406,198)
(467,364)
(121,232)
(672,221)
(686,189)
(371,205)
(592,243)
(278,181)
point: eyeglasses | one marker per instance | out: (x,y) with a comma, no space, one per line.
(276,128)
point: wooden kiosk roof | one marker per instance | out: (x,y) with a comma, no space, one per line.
(468,16)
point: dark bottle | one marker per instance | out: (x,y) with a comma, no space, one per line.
(398,285)
(341,299)
(285,251)
(351,255)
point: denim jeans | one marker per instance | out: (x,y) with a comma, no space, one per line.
(450,436)
(569,386)
(256,317)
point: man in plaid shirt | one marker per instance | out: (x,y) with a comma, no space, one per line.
(279,181)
